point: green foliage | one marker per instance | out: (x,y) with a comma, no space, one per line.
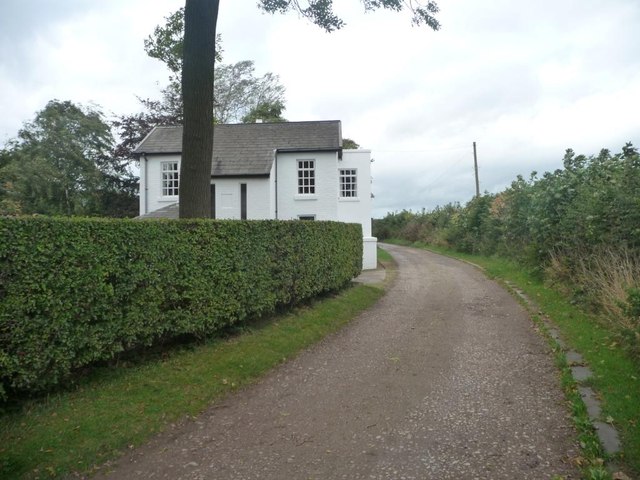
(167,43)
(267,112)
(320,12)
(347,143)
(77,291)
(579,225)
(238,93)
(631,309)
(239,96)
(61,163)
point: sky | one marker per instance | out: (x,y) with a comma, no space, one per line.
(524,80)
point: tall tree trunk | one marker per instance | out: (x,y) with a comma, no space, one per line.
(200,19)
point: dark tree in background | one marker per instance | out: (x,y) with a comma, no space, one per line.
(200,18)
(61,163)
(197,77)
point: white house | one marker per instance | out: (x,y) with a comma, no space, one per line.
(286,171)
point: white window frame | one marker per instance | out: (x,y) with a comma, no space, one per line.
(170,183)
(348,183)
(306,176)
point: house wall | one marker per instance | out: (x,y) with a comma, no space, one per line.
(358,209)
(228,197)
(151,183)
(327,204)
(323,203)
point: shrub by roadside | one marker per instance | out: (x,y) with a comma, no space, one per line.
(77,291)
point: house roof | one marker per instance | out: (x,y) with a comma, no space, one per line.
(170,211)
(248,148)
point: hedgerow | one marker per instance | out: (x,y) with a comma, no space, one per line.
(77,291)
(578,226)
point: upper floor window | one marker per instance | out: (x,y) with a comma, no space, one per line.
(306,177)
(170,179)
(348,183)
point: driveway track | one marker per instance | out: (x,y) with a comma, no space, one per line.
(445,378)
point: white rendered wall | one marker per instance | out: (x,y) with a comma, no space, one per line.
(358,209)
(369,253)
(228,197)
(272,192)
(323,203)
(151,198)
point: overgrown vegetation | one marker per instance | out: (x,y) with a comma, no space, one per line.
(74,292)
(114,409)
(578,227)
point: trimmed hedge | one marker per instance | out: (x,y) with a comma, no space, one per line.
(77,291)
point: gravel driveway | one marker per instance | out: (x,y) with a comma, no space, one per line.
(445,378)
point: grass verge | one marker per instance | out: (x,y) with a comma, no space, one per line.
(616,376)
(384,257)
(117,409)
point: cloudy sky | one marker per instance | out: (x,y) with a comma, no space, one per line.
(525,80)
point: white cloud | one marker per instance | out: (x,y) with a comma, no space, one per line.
(523,79)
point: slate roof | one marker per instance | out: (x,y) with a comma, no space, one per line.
(248,149)
(170,211)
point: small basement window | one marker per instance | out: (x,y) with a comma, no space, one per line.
(306,217)
(170,179)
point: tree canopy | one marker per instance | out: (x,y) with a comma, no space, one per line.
(166,43)
(61,163)
(320,12)
(349,144)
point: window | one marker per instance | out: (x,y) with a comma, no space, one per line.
(243,201)
(348,183)
(306,217)
(170,173)
(306,177)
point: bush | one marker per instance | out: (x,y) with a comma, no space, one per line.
(579,225)
(77,291)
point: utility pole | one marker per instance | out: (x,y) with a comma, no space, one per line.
(475,167)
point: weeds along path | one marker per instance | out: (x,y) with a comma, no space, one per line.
(445,378)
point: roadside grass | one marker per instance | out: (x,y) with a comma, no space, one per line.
(115,409)
(616,377)
(384,256)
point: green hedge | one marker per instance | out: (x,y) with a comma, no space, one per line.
(77,291)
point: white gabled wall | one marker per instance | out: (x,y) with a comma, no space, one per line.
(151,198)
(323,203)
